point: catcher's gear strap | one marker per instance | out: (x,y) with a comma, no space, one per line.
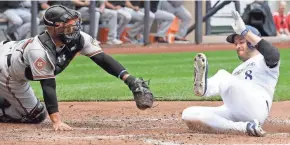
(109,64)
(49,95)
(36,115)
(270,53)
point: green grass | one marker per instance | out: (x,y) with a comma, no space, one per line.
(170,74)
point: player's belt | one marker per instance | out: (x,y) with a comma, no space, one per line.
(9,60)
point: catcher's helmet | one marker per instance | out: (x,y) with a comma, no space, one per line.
(60,14)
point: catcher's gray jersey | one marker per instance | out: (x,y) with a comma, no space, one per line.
(36,57)
(16,57)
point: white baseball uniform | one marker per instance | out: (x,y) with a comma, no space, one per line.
(247,94)
(14,85)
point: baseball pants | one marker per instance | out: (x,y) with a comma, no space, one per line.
(243,101)
(19,22)
(138,18)
(108,16)
(164,20)
(180,12)
(18,93)
(86,15)
(124,18)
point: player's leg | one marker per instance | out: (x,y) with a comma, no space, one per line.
(183,14)
(164,20)
(25,28)
(246,100)
(138,19)
(86,16)
(218,119)
(166,6)
(202,85)
(14,22)
(110,17)
(151,20)
(124,18)
(215,118)
(25,107)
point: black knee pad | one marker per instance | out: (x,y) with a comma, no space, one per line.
(36,115)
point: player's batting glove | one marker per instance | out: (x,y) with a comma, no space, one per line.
(141,91)
(239,25)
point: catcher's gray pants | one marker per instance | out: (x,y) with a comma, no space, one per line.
(182,13)
(108,16)
(164,20)
(138,18)
(19,22)
(18,93)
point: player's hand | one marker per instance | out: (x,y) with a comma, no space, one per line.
(136,8)
(239,25)
(87,3)
(57,124)
(117,7)
(61,126)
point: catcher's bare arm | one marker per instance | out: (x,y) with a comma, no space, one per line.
(142,94)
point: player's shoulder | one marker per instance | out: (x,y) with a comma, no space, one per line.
(33,47)
(33,44)
(89,39)
(86,35)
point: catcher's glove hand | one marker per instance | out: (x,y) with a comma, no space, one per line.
(142,94)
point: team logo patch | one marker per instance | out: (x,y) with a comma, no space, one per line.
(39,63)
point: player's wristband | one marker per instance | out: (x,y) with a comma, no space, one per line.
(245,32)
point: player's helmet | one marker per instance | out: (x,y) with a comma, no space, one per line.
(60,14)
(231,38)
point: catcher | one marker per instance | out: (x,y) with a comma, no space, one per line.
(44,56)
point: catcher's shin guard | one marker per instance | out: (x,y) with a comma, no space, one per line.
(200,74)
(36,115)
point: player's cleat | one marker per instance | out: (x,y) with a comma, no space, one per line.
(200,74)
(254,128)
(114,42)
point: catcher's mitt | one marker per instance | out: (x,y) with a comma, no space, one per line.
(142,94)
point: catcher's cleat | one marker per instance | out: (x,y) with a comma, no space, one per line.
(200,74)
(254,128)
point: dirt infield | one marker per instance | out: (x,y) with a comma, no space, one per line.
(111,123)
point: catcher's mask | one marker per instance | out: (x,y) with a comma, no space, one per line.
(67,22)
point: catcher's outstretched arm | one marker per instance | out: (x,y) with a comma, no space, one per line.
(142,95)
(110,65)
(49,95)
